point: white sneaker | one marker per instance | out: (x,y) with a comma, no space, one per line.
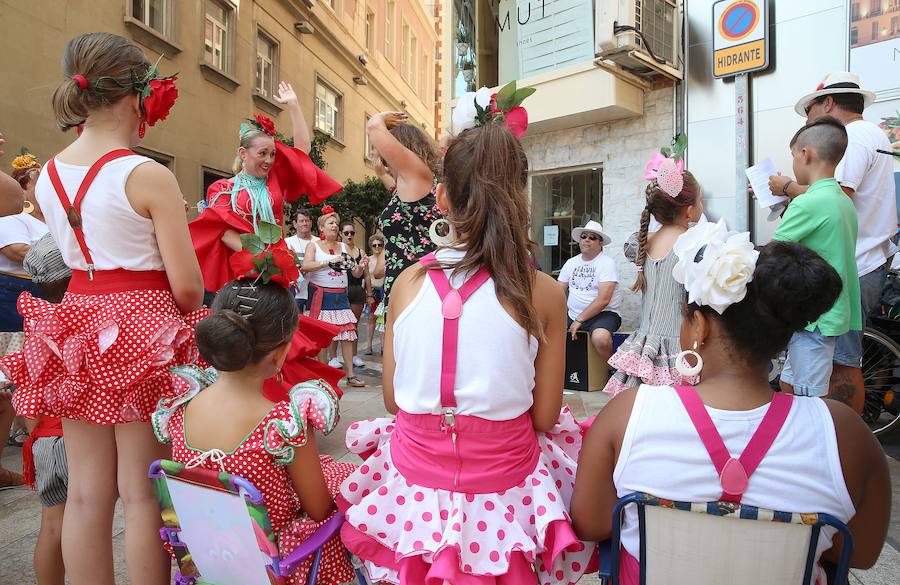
(335,363)
(358,362)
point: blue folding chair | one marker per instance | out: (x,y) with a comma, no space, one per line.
(219,530)
(708,546)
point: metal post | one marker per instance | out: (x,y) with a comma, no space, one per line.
(742,151)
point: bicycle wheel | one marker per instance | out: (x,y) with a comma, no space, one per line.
(881,378)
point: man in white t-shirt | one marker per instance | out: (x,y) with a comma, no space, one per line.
(592,282)
(867,177)
(298,243)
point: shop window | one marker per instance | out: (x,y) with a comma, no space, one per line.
(266,64)
(328,110)
(560,203)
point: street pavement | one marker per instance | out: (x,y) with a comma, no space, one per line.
(20,509)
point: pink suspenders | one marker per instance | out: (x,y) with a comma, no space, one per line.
(734,474)
(452,301)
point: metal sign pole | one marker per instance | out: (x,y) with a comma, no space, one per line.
(741,151)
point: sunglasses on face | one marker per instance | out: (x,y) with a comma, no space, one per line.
(378,245)
(808,108)
(591,237)
(349,233)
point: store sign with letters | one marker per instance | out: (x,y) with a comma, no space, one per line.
(740,37)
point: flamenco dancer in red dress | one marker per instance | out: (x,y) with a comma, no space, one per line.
(101,358)
(271,173)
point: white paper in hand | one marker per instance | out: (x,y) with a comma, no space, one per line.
(758,175)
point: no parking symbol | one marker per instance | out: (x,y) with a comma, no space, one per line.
(740,44)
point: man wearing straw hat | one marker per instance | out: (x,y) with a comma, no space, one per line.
(592,282)
(867,176)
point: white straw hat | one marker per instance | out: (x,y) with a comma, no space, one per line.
(594,228)
(834,83)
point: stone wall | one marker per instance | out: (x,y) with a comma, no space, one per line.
(621,148)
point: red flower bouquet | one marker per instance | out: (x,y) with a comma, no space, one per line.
(159,102)
(265,257)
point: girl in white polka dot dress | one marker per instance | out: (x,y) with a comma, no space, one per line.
(470,483)
(100,359)
(272,444)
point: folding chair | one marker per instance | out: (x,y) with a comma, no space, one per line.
(220,533)
(711,545)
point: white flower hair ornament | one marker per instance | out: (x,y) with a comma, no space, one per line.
(477,108)
(714,266)
(666,167)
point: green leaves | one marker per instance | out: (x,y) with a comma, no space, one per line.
(509,97)
(679,145)
(252,244)
(269,233)
(482,115)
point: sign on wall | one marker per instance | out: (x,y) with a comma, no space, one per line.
(740,37)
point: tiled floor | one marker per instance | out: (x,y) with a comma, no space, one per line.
(20,509)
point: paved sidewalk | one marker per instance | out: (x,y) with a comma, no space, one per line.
(20,509)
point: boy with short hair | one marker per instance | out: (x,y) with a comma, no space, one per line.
(824,220)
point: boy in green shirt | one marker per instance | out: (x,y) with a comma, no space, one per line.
(824,220)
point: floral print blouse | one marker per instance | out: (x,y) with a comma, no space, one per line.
(405,227)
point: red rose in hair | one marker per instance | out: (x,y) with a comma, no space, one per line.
(284,261)
(327,210)
(516,120)
(242,264)
(163,94)
(268,126)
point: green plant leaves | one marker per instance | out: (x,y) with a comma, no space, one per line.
(252,244)
(269,233)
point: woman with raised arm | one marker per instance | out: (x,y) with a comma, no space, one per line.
(270,172)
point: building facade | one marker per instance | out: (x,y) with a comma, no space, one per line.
(346,59)
(592,123)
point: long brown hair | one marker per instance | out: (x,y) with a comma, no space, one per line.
(485,176)
(111,64)
(665,209)
(419,143)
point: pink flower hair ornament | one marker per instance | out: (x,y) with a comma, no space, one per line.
(666,167)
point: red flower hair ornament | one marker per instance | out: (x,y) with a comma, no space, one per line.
(477,108)
(158,94)
(265,257)
(327,209)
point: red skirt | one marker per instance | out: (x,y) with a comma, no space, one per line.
(102,355)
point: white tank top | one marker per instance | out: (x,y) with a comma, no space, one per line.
(662,454)
(327,278)
(495,365)
(116,235)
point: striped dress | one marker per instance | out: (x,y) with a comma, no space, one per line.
(648,355)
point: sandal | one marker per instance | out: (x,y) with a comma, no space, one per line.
(355,382)
(10,479)
(17,438)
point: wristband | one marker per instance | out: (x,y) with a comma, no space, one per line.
(785,188)
(579,321)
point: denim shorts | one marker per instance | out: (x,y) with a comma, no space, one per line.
(809,363)
(848,351)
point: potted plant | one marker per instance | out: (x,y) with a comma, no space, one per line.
(462,42)
(467,66)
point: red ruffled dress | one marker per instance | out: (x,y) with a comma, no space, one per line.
(262,458)
(292,175)
(103,354)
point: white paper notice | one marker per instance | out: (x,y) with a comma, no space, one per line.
(758,175)
(551,235)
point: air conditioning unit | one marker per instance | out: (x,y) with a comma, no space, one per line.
(642,36)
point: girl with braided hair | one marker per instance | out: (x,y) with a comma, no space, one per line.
(675,200)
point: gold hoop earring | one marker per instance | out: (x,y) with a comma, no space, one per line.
(27,207)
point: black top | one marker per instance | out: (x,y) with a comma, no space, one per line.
(405,227)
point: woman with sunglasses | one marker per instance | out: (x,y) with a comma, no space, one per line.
(358,288)
(376,286)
